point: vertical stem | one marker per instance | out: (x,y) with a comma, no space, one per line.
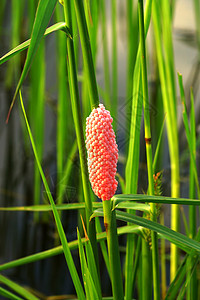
(113,250)
(155,262)
(171,121)
(114,61)
(105,54)
(163,261)
(192,287)
(79,130)
(146,271)
(87,53)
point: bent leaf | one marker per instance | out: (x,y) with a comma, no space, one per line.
(44,11)
(23,46)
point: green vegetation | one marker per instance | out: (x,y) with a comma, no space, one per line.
(131,248)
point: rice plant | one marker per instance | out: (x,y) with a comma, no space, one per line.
(100,151)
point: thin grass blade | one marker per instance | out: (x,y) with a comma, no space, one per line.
(25,45)
(17,288)
(42,18)
(60,229)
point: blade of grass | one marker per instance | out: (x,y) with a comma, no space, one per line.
(154,239)
(91,292)
(105,55)
(9,295)
(60,229)
(132,48)
(75,103)
(87,54)
(132,164)
(188,133)
(169,100)
(64,117)
(17,288)
(91,262)
(183,242)
(43,15)
(193,291)
(114,62)
(113,250)
(13,67)
(37,115)
(25,45)
(154,199)
(59,250)
(66,206)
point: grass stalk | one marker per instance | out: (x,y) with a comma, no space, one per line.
(63,110)
(87,54)
(171,119)
(155,256)
(73,83)
(105,54)
(132,47)
(132,164)
(146,271)
(66,249)
(113,250)
(114,62)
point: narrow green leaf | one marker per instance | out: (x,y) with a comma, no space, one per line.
(92,267)
(183,242)
(60,229)
(153,199)
(158,145)
(17,288)
(91,292)
(9,295)
(188,133)
(45,207)
(42,18)
(134,206)
(58,250)
(25,45)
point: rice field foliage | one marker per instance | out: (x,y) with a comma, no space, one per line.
(59,60)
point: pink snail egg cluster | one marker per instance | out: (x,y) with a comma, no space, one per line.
(102,153)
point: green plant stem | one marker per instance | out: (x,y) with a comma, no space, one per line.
(146,271)
(155,256)
(66,249)
(192,292)
(113,250)
(132,165)
(87,53)
(171,121)
(114,62)
(73,83)
(163,260)
(105,54)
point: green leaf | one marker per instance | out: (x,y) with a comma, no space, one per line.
(91,292)
(58,250)
(42,18)
(153,199)
(188,133)
(66,249)
(17,288)
(134,206)
(183,242)
(45,207)
(8,295)
(24,45)
(92,267)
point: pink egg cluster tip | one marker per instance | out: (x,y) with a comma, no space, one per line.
(102,153)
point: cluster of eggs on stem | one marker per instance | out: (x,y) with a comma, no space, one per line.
(102,152)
